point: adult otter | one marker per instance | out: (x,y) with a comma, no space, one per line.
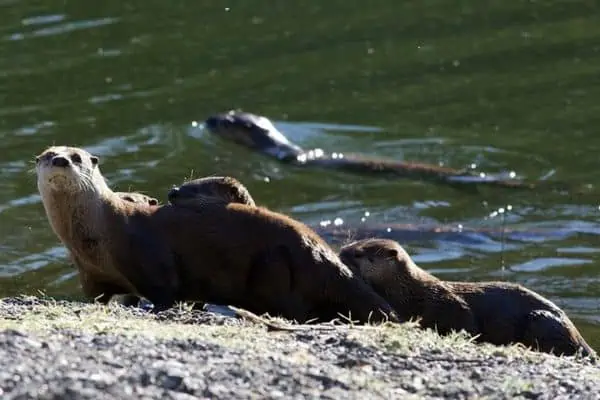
(259,133)
(231,254)
(503,312)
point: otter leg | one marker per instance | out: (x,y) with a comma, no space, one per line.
(102,292)
(354,298)
(553,333)
(447,314)
(151,268)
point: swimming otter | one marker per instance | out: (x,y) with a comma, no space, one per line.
(231,254)
(503,312)
(259,133)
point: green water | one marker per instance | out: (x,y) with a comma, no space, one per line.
(509,86)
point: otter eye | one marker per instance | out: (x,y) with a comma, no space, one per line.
(49,155)
(94,160)
(76,158)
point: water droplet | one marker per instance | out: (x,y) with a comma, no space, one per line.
(501,210)
(482,174)
(389,229)
(367,213)
(267,179)
(473,166)
(508,207)
(195,124)
(338,221)
(512,174)
(227,9)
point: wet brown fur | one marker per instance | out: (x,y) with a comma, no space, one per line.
(499,312)
(233,254)
(87,280)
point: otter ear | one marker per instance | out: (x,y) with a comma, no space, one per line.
(94,160)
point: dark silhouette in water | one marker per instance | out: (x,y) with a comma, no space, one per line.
(258,133)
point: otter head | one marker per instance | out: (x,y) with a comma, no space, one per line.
(376,259)
(253,131)
(214,188)
(68,169)
(139,198)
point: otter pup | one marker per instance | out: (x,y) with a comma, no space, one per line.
(232,254)
(502,312)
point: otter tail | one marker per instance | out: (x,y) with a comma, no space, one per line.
(554,333)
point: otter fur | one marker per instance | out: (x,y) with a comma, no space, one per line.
(499,312)
(233,254)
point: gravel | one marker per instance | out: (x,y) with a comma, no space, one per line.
(67,350)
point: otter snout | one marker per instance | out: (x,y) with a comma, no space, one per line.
(60,161)
(173,194)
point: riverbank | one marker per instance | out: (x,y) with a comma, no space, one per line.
(58,349)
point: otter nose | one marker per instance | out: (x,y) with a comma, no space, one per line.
(212,122)
(173,193)
(60,161)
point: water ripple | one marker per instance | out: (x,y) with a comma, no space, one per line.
(61,28)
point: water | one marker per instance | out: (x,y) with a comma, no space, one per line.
(510,87)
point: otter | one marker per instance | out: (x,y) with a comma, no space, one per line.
(225,188)
(232,254)
(258,133)
(500,313)
(213,188)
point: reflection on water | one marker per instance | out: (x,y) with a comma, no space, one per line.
(507,88)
